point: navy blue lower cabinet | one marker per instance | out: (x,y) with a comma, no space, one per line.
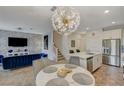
(19,61)
(1,58)
(44,55)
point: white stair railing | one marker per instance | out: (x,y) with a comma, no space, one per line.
(56,53)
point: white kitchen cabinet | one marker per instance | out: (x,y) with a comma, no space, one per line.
(91,64)
(97,61)
(89,61)
(83,63)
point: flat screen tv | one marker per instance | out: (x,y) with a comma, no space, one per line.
(17,42)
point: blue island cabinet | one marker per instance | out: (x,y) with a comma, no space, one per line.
(19,61)
(1,59)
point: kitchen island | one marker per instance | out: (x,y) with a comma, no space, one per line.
(89,61)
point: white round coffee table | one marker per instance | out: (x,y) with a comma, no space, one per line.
(78,77)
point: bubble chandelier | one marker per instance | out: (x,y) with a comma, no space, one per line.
(65,20)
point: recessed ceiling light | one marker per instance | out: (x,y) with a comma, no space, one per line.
(113,22)
(87,28)
(106,11)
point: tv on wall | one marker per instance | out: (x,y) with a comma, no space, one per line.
(17,42)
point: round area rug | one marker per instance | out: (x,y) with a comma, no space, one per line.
(82,79)
(70,66)
(57,82)
(50,69)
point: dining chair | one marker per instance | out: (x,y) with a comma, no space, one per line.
(71,51)
(74,60)
(77,50)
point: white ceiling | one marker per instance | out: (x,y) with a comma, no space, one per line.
(39,18)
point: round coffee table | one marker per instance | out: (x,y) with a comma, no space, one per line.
(78,77)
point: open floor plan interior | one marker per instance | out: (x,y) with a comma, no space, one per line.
(61,46)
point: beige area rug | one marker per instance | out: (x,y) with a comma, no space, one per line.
(19,77)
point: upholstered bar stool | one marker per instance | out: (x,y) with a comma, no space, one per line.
(74,60)
(1,59)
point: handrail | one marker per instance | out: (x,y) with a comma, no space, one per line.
(56,52)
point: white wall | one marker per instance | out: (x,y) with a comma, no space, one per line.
(122,46)
(57,38)
(94,39)
(65,49)
(34,43)
(50,51)
(83,43)
(94,43)
(63,42)
(79,41)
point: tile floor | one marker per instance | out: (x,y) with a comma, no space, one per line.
(106,75)
(109,76)
(18,77)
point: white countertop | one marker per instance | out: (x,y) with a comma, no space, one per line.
(84,55)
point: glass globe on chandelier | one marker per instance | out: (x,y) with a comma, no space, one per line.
(65,20)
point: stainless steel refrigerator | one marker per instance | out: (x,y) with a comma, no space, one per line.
(111,52)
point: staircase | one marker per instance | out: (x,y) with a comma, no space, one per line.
(59,57)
